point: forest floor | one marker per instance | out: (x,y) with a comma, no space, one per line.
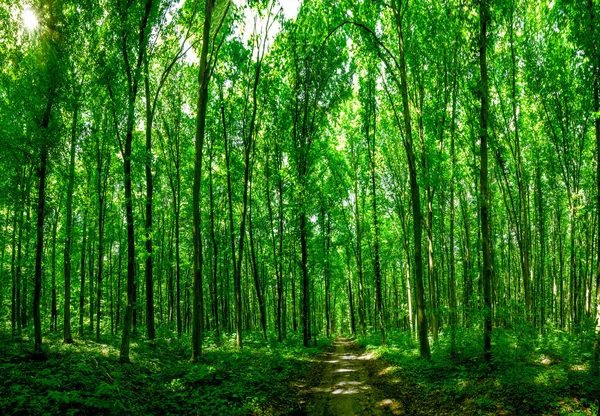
(530,375)
(86,378)
(348,380)
(353,379)
(341,383)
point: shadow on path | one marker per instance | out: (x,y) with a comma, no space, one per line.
(344,384)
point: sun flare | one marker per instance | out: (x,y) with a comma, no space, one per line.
(29,19)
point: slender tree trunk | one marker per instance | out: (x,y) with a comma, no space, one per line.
(561,267)
(203,80)
(306,330)
(326,269)
(257,285)
(24,285)
(53,307)
(276,255)
(18,214)
(485,198)
(37,322)
(111,286)
(280,289)
(525,244)
(452,277)
(593,27)
(215,248)
(91,266)
(542,248)
(170,281)
(133,82)
(238,269)
(67,337)
(371,114)
(415,196)
(18,283)
(101,189)
(236,285)
(359,259)
(149,231)
(82,285)
(294,303)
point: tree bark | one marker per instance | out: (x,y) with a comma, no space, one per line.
(149,231)
(215,247)
(485,199)
(67,337)
(593,27)
(102,169)
(39,248)
(53,306)
(133,82)
(236,286)
(371,150)
(203,80)
(415,197)
(82,284)
(257,285)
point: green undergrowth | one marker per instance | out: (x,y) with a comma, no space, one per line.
(529,374)
(86,378)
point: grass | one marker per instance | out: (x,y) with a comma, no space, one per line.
(86,377)
(529,374)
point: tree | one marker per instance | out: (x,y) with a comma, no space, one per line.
(128,13)
(485,197)
(204,75)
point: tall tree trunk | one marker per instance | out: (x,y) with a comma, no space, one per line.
(452,277)
(542,248)
(292,270)
(18,268)
(304,268)
(277,255)
(118,317)
(371,150)
(101,189)
(203,80)
(428,221)
(149,232)
(133,82)
(39,248)
(170,281)
(359,257)
(485,198)
(281,300)
(53,307)
(593,27)
(177,251)
(82,285)
(67,337)
(237,288)
(257,285)
(215,245)
(415,195)
(525,229)
(350,294)
(18,214)
(326,227)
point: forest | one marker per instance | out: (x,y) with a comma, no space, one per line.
(300,207)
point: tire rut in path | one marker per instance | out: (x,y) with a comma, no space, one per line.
(346,387)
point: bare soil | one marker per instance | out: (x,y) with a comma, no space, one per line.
(347,380)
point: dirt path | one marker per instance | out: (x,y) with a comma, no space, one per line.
(344,384)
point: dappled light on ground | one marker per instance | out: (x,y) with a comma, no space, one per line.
(346,385)
(391,405)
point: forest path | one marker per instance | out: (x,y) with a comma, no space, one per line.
(344,382)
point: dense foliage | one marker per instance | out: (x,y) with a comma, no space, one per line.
(278,169)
